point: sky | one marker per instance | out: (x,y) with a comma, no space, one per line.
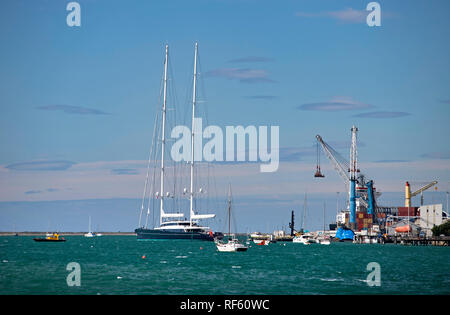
(78,103)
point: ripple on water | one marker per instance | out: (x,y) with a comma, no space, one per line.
(28,267)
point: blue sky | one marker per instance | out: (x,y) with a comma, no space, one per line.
(77,103)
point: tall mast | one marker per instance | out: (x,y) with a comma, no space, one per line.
(229,211)
(194,99)
(304,214)
(163,136)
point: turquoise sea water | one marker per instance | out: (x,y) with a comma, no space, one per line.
(115,265)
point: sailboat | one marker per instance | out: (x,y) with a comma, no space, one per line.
(233,244)
(171,226)
(304,238)
(89,234)
(324,239)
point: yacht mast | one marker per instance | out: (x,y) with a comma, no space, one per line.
(194,99)
(163,140)
(229,212)
(304,214)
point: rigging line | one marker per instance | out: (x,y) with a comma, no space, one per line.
(157,132)
(151,195)
(153,158)
(147,176)
(204,109)
(149,160)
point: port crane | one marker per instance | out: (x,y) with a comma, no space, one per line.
(340,164)
(336,160)
(318,172)
(409,195)
(353,179)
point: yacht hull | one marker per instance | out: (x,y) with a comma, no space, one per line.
(153,234)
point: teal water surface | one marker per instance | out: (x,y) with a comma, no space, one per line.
(123,265)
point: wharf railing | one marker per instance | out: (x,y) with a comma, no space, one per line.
(422,241)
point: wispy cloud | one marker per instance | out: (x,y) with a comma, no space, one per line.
(348,15)
(336,104)
(291,154)
(41,166)
(445,155)
(125,171)
(382,115)
(305,153)
(32,192)
(89,181)
(69,109)
(391,161)
(246,75)
(262,97)
(251,59)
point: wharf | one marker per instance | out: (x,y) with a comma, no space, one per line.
(423,241)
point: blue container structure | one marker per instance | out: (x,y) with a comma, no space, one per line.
(344,234)
(352,203)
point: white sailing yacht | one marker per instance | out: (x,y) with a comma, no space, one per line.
(89,234)
(324,239)
(171,226)
(304,238)
(233,244)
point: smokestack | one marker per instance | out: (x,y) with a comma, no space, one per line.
(407,195)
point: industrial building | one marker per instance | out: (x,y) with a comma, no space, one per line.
(363,214)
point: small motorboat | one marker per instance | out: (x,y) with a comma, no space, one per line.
(55,237)
(304,239)
(233,245)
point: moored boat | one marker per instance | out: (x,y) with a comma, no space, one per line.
(233,244)
(55,237)
(171,224)
(304,239)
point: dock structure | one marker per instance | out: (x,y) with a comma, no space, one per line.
(423,241)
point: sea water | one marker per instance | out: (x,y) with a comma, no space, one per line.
(123,265)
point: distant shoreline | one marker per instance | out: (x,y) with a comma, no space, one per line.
(34,233)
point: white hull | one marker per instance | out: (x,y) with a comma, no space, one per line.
(231,246)
(302,239)
(304,242)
